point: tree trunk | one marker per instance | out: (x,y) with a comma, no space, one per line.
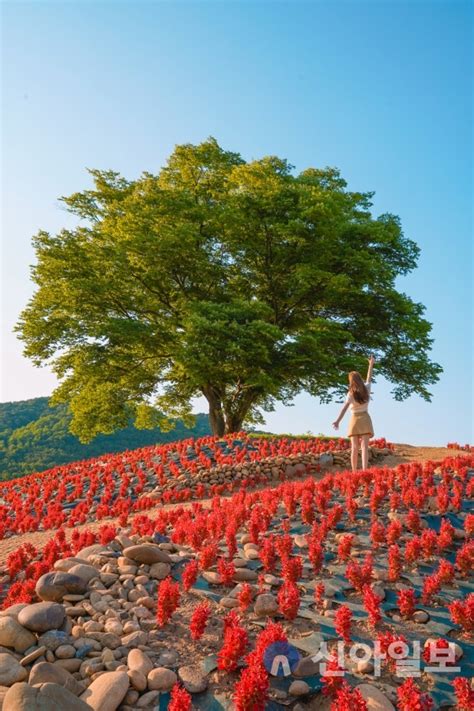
(216,414)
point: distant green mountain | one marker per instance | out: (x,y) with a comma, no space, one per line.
(35,436)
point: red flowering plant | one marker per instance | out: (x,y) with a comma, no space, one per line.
(234,646)
(462,613)
(446,535)
(372,606)
(430,655)
(429,543)
(245,596)
(411,698)
(413,521)
(347,698)
(344,546)
(394,531)
(199,620)
(180,699)
(465,559)
(431,586)
(226,570)
(332,677)
(406,600)
(251,690)
(464,694)
(392,647)
(343,622)
(292,568)
(190,574)
(268,554)
(319,598)
(168,600)
(359,575)
(377,534)
(289,600)
(394,563)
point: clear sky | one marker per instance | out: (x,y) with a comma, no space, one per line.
(382,90)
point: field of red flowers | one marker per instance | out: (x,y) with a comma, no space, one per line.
(381,558)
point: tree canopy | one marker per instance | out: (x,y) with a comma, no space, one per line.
(240,281)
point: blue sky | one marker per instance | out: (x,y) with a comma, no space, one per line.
(382,90)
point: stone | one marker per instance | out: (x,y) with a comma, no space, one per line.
(299,688)
(365,666)
(44,673)
(138,661)
(13,610)
(42,616)
(161,679)
(148,699)
(71,665)
(47,697)
(90,551)
(85,572)
(137,679)
(159,571)
(266,605)
(10,670)
(228,602)
(420,616)
(52,587)
(212,576)
(134,639)
(245,575)
(13,635)
(193,678)
(147,553)
(53,639)
(32,656)
(375,699)
(107,691)
(306,667)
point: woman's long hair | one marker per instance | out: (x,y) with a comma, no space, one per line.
(357,387)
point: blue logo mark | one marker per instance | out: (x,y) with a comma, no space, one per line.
(280,659)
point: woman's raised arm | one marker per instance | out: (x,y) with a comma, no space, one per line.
(369,371)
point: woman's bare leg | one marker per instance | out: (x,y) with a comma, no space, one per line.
(354,451)
(365,451)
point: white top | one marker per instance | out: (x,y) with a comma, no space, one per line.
(356,406)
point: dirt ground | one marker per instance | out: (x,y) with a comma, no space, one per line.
(402,453)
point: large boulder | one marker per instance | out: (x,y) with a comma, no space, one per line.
(47,697)
(13,635)
(85,572)
(42,616)
(107,691)
(11,670)
(44,673)
(52,587)
(147,553)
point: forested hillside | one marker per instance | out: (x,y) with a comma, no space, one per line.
(34,436)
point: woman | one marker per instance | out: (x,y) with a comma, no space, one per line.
(360,425)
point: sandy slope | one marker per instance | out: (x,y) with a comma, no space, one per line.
(402,453)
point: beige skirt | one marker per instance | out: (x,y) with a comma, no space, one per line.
(360,424)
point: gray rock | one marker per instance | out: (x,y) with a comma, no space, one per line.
(54,639)
(193,678)
(42,616)
(52,587)
(147,553)
(266,605)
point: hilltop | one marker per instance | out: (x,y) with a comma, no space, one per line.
(35,436)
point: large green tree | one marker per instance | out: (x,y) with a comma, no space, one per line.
(235,280)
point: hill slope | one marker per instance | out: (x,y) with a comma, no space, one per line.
(35,436)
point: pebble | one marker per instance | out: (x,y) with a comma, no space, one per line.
(147,553)
(420,616)
(266,605)
(32,656)
(299,688)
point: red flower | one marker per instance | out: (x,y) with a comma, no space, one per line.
(190,573)
(332,678)
(344,547)
(406,602)
(251,690)
(289,600)
(342,623)
(245,596)
(462,613)
(394,563)
(464,693)
(233,648)
(348,699)
(410,698)
(180,699)
(168,600)
(372,605)
(199,620)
